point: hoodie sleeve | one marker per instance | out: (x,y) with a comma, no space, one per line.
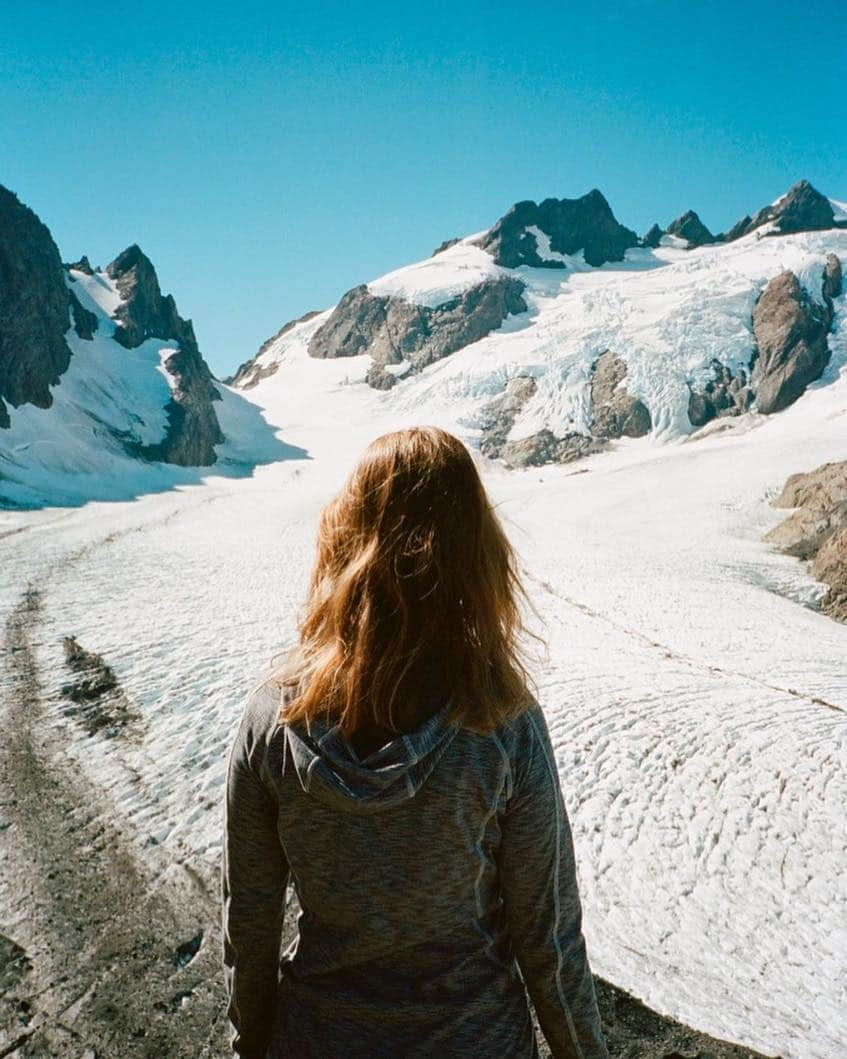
(541,897)
(254,879)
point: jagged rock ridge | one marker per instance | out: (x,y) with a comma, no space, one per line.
(393,330)
(585,224)
(34,308)
(689,227)
(193,428)
(801,209)
(38,305)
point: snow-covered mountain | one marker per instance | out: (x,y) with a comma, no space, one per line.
(694,686)
(558,331)
(103,390)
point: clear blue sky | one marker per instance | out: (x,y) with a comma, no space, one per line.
(268,157)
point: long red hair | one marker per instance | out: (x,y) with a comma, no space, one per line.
(414,597)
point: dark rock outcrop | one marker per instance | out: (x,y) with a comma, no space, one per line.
(738,229)
(248,374)
(802,209)
(34,313)
(499,414)
(616,413)
(445,245)
(98,700)
(691,228)
(85,322)
(723,395)
(379,378)
(193,428)
(833,278)
(83,265)
(652,237)
(790,328)
(546,447)
(392,330)
(571,225)
(817,529)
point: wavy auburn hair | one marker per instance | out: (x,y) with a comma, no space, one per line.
(414,597)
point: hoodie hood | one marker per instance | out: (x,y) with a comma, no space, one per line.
(329,769)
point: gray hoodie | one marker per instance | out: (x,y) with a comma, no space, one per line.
(437,885)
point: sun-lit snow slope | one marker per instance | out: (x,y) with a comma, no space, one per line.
(668,313)
(108,397)
(696,698)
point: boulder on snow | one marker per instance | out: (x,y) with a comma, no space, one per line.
(34,309)
(546,447)
(790,328)
(616,413)
(571,225)
(817,529)
(689,227)
(724,394)
(392,329)
(499,414)
(833,278)
(193,428)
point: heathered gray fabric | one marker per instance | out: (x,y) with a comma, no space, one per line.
(428,873)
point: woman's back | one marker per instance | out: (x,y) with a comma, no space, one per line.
(423,871)
(429,866)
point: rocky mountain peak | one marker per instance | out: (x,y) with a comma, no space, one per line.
(688,226)
(83,265)
(34,308)
(653,236)
(801,209)
(538,234)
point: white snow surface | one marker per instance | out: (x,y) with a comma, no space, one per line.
(441,278)
(839,210)
(668,313)
(695,695)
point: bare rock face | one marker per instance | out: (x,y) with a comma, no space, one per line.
(545,447)
(723,395)
(445,245)
(616,413)
(83,265)
(248,374)
(498,416)
(802,209)
(652,237)
(741,227)
(691,228)
(792,350)
(817,529)
(571,225)
(392,330)
(85,322)
(193,428)
(833,278)
(33,309)
(790,328)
